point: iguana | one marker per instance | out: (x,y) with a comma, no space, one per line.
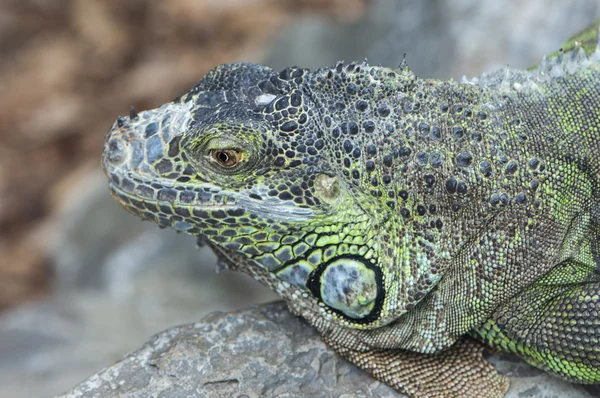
(404,218)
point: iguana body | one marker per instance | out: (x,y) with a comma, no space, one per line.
(397,215)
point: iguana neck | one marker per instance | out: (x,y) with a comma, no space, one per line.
(434,162)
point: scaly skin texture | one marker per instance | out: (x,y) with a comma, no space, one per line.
(397,215)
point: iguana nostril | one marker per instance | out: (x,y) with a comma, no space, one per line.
(116,152)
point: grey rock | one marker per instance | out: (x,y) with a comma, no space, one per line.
(266,351)
(263,351)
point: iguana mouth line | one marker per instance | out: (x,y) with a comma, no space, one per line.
(120,193)
(266,209)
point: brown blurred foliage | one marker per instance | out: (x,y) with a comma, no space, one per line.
(69,67)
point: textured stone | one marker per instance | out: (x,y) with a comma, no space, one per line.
(263,351)
(266,351)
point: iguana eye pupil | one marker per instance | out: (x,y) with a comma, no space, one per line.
(226,157)
(222,156)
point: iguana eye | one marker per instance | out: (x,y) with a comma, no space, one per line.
(226,157)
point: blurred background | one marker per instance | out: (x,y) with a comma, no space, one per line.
(81,281)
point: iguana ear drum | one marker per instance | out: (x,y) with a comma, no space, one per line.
(351,287)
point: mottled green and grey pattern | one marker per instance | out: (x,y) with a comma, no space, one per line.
(396,214)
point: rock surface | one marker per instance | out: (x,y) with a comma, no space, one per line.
(265,352)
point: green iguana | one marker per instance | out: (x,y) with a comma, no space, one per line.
(402,217)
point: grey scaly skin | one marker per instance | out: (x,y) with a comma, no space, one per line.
(397,215)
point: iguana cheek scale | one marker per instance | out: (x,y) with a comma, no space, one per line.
(397,215)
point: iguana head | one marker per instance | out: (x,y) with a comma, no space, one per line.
(242,159)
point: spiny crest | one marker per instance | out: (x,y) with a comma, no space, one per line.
(560,64)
